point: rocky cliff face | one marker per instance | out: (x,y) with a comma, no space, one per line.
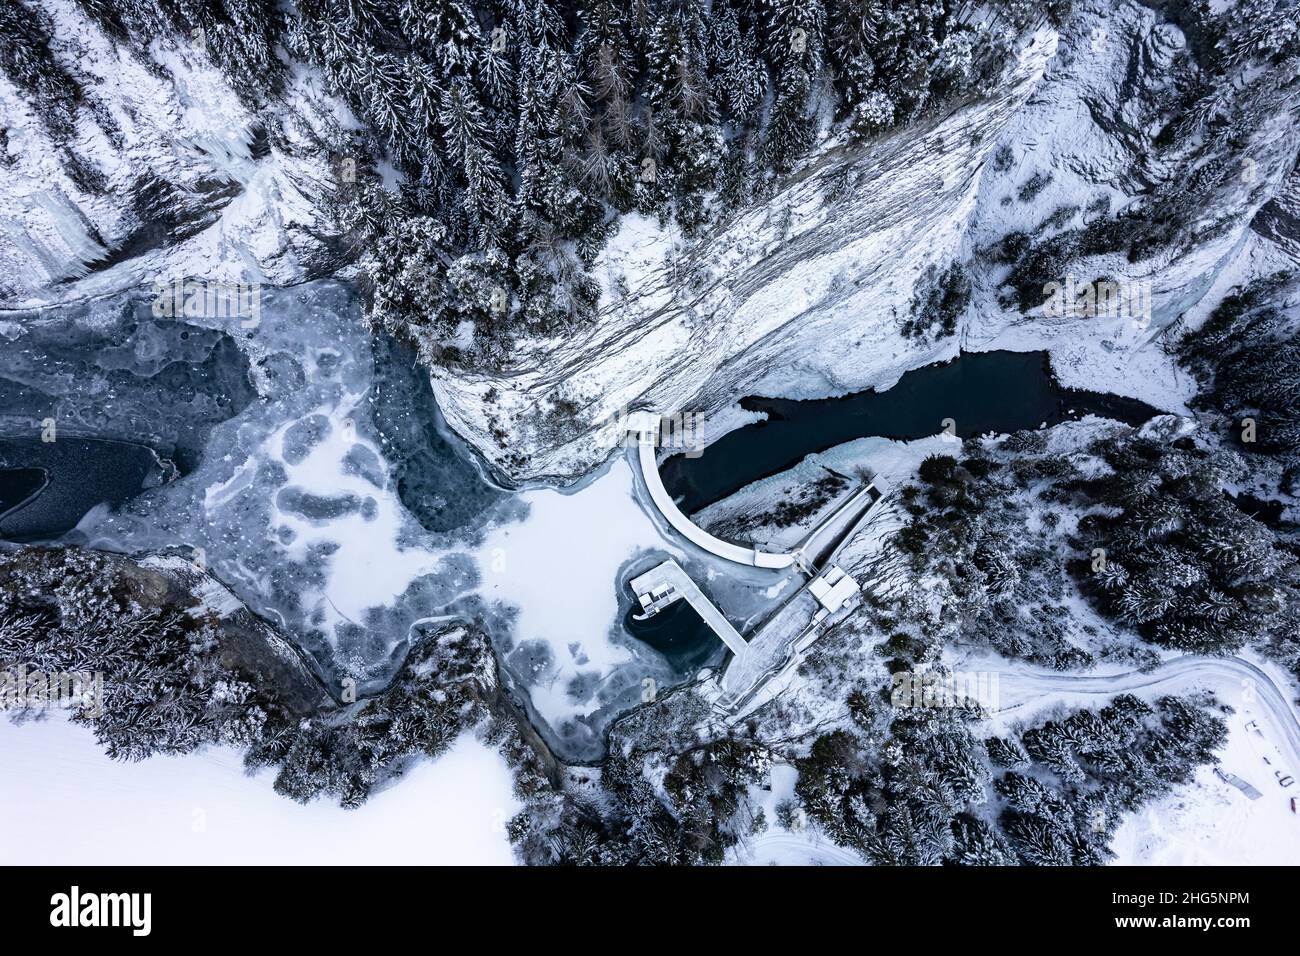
(1085,156)
(1106,135)
(157,169)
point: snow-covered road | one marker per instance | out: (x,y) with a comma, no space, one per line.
(1251,684)
(795,849)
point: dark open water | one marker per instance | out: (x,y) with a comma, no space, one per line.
(981,392)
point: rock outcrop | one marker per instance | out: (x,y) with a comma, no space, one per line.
(805,294)
(164,172)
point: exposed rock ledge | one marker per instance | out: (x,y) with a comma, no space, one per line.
(803,295)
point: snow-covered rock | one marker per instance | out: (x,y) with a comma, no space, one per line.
(169,174)
(800,295)
(803,295)
(1092,129)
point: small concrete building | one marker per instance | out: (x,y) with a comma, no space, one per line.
(832,589)
(666,583)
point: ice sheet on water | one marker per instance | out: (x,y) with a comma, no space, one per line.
(293,502)
(112,370)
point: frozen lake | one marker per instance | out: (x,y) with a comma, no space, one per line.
(314,475)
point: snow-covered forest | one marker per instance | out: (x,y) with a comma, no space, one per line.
(184,676)
(1138,523)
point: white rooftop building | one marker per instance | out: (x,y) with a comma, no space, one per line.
(833,588)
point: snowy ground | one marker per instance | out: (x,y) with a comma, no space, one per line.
(77,807)
(638,248)
(777,846)
(1210,822)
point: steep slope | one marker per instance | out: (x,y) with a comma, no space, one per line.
(1135,148)
(1107,147)
(152,167)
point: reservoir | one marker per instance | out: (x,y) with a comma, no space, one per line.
(46,487)
(981,392)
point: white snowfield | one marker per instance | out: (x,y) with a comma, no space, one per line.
(803,845)
(646,426)
(783,848)
(80,808)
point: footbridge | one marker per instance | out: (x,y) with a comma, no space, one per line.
(662,585)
